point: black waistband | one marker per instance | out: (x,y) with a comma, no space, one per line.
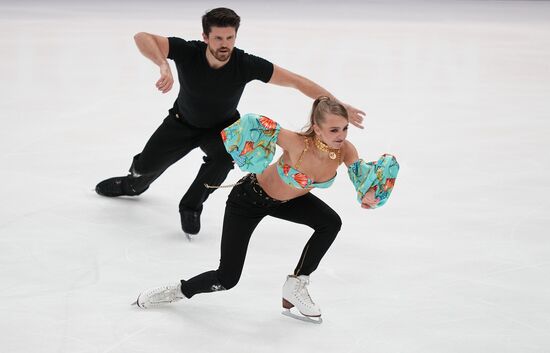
(252,180)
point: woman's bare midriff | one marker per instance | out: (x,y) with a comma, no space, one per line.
(274,186)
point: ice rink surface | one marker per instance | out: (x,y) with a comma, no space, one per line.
(458,261)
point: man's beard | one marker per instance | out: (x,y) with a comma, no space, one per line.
(221,55)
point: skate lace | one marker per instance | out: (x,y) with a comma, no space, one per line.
(302,283)
(165,294)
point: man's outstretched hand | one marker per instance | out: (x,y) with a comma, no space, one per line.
(355,116)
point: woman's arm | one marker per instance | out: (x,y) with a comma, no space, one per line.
(289,140)
(350,156)
(251,141)
(349,153)
(373,181)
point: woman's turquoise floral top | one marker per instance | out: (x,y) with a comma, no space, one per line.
(252,139)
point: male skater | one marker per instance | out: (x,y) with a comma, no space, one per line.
(212,76)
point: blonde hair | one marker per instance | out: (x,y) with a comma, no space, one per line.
(321,107)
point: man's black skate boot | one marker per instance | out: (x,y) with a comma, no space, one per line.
(117,186)
(190,221)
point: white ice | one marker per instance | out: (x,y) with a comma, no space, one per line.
(457,261)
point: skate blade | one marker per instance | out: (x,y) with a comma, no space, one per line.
(136,303)
(312,320)
(188,236)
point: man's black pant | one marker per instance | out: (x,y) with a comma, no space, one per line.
(246,206)
(173,139)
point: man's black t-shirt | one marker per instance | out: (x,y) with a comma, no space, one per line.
(209,97)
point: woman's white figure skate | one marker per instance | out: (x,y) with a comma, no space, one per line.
(159,296)
(295,294)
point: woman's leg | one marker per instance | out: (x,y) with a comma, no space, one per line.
(242,215)
(313,212)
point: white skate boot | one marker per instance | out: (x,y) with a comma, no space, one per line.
(159,295)
(295,294)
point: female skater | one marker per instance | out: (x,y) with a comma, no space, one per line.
(282,190)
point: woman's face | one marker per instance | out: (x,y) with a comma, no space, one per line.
(333,131)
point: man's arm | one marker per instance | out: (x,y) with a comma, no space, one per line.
(155,48)
(283,77)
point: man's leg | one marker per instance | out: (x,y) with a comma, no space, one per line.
(214,170)
(172,140)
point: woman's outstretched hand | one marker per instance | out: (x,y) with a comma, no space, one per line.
(369,200)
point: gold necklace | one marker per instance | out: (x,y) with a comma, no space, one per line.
(332,152)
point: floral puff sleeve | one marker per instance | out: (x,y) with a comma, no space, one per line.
(379,175)
(251,142)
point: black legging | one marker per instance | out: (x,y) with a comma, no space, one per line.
(246,206)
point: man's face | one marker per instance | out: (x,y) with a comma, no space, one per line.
(221,42)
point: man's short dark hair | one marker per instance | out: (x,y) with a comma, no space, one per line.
(220,17)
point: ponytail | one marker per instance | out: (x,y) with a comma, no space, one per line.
(321,106)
